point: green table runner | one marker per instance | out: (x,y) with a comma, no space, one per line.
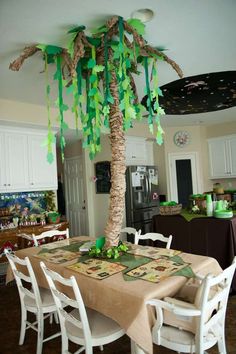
(131,261)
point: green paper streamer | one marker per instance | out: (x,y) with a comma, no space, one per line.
(107,93)
(75,101)
(61,105)
(150,116)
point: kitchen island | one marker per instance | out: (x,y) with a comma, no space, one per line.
(206,236)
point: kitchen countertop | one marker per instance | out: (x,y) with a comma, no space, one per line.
(206,236)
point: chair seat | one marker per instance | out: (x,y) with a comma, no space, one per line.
(46,298)
(174,335)
(100,326)
(183,338)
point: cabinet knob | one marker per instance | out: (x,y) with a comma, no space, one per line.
(8,184)
(5,184)
(31,183)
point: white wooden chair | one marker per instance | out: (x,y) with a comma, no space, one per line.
(154,236)
(85,327)
(128,230)
(194,328)
(54,235)
(36,300)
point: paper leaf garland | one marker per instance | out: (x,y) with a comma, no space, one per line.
(116,47)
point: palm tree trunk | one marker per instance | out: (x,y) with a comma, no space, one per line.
(117,192)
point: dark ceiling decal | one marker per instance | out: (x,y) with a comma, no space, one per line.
(199,94)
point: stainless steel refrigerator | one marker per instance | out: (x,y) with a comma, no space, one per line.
(142,196)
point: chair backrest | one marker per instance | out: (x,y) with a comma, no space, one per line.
(25,279)
(154,236)
(62,301)
(213,298)
(128,230)
(54,235)
(208,312)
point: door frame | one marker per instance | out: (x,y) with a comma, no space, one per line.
(196,175)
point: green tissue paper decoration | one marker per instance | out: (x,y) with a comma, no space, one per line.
(116,47)
(98,70)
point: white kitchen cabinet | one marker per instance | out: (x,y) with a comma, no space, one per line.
(23,164)
(14,164)
(222,157)
(2,161)
(138,151)
(42,175)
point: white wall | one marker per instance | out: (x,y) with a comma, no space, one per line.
(25,113)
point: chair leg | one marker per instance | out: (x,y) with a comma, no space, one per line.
(56,317)
(40,333)
(89,350)
(135,349)
(222,346)
(101,348)
(64,343)
(23,325)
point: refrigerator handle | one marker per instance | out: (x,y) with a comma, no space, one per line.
(148,190)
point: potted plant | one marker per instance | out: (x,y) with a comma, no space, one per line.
(53,217)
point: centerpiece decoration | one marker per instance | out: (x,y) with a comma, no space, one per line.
(98,70)
(113,252)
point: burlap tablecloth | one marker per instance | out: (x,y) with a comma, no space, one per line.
(123,301)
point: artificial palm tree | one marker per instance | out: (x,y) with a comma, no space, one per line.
(102,68)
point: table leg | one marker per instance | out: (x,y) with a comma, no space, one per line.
(135,349)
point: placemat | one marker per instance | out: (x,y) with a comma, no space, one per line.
(97,268)
(58,255)
(157,270)
(154,253)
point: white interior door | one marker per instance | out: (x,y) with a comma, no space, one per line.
(75,196)
(195,172)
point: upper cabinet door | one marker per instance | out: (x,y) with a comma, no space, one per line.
(135,151)
(3,172)
(222,157)
(232,156)
(43,176)
(16,162)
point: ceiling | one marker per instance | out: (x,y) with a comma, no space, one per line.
(198,34)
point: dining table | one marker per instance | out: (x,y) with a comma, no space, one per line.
(122,294)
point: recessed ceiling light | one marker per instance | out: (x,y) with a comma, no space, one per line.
(143,15)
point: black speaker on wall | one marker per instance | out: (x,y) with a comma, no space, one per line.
(103,176)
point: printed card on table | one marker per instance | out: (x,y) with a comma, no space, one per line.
(96,268)
(156,270)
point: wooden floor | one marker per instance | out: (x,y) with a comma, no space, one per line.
(10,325)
